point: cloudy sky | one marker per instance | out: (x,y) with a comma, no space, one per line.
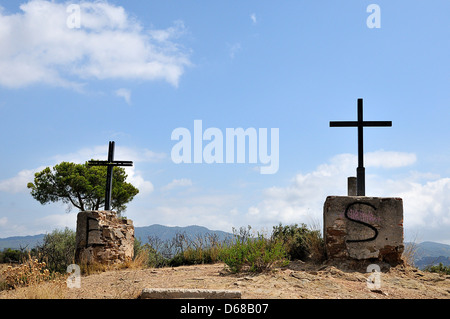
(75,75)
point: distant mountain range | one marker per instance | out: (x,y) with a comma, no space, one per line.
(431,253)
(21,242)
(427,253)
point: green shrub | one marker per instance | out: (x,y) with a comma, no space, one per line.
(300,242)
(195,256)
(263,254)
(9,255)
(441,269)
(58,250)
(257,253)
(234,254)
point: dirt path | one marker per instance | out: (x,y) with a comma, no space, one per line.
(298,280)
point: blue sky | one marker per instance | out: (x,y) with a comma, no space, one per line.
(134,71)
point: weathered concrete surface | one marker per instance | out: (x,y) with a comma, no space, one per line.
(358,227)
(174,293)
(104,238)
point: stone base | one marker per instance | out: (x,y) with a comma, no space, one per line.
(103,238)
(362,228)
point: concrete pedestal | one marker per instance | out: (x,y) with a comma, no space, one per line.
(362,228)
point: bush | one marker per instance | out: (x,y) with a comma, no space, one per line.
(300,242)
(58,250)
(441,269)
(256,253)
(9,255)
(193,256)
(193,251)
(154,258)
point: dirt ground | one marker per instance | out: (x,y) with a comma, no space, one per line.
(298,280)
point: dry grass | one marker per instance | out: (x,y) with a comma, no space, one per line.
(316,248)
(138,262)
(43,290)
(30,272)
(409,254)
(92,268)
(315,242)
(32,280)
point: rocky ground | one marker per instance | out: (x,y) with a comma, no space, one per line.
(298,280)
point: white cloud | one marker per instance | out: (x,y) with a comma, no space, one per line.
(183,182)
(8,229)
(18,183)
(164,36)
(57,221)
(38,46)
(253,18)
(125,94)
(136,179)
(426,204)
(389,159)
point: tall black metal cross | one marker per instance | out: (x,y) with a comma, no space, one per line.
(110,163)
(360,124)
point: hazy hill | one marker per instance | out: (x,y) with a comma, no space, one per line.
(431,253)
(18,242)
(432,249)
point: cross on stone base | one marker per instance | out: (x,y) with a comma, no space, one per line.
(360,124)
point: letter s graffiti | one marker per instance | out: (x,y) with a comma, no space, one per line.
(361,222)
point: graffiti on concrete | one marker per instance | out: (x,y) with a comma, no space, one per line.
(362,218)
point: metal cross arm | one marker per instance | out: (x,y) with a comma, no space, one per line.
(106,163)
(356,124)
